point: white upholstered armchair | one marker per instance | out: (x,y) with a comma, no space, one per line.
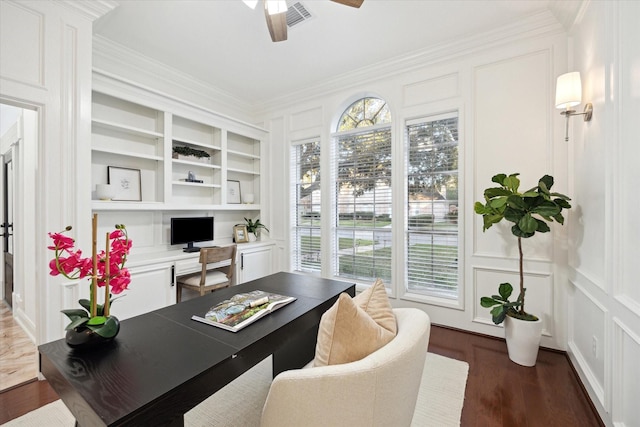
(379,390)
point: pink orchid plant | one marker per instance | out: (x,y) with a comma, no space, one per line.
(105,269)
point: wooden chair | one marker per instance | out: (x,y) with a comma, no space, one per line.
(210,279)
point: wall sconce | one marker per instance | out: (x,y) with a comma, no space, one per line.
(569,94)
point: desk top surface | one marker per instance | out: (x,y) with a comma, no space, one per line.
(157,356)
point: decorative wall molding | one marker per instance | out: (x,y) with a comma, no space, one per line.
(624,384)
(481,317)
(541,24)
(92,9)
(122,60)
(30,70)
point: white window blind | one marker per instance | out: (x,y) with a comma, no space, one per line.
(363,204)
(432,210)
(306,214)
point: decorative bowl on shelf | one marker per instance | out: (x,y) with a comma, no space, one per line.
(105,191)
(248,198)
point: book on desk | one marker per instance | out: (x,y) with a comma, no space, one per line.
(243,309)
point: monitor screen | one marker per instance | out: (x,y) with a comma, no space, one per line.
(190,230)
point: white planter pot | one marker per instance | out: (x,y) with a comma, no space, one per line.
(252,237)
(523,340)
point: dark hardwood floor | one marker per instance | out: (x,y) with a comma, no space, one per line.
(498,393)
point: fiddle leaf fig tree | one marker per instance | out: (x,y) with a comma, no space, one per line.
(529,212)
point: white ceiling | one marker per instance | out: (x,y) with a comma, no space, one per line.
(227,45)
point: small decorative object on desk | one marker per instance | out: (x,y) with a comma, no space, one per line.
(94,325)
(254,227)
(243,309)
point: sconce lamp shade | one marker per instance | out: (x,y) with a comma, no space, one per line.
(568,90)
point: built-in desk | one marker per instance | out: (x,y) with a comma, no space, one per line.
(153,275)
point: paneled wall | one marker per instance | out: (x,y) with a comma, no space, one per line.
(504,93)
(604,234)
(46,66)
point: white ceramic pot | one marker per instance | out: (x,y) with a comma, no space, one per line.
(523,340)
(252,237)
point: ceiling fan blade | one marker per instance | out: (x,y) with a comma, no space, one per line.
(352,3)
(277,25)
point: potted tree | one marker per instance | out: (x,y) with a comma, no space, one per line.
(529,212)
(253,227)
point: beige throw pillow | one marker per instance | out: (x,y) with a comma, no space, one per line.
(347,333)
(376,303)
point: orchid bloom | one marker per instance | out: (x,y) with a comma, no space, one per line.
(69,262)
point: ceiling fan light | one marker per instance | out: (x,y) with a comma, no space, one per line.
(275,6)
(251,3)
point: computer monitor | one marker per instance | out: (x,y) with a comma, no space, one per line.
(190,230)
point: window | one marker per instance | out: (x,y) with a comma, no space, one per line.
(306,188)
(432,211)
(362,171)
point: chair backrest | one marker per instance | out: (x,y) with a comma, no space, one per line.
(379,390)
(215,255)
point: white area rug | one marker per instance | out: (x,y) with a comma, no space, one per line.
(439,401)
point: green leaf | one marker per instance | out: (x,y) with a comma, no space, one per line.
(97,320)
(505,290)
(547,180)
(86,304)
(528,224)
(78,322)
(498,202)
(546,208)
(489,220)
(75,313)
(512,182)
(562,203)
(499,178)
(530,194)
(109,329)
(559,218)
(516,231)
(487,302)
(490,193)
(480,209)
(498,314)
(542,226)
(515,202)
(542,188)
(560,196)
(512,215)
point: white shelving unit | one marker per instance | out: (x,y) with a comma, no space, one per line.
(132,135)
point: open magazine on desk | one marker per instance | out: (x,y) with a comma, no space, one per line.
(243,309)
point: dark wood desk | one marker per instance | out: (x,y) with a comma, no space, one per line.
(162,363)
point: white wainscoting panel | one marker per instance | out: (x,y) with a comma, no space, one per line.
(431,90)
(626,376)
(307,119)
(587,338)
(539,296)
(18,22)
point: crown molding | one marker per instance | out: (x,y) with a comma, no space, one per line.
(92,9)
(121,60)
(537,25)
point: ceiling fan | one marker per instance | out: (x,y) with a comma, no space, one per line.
(275,13)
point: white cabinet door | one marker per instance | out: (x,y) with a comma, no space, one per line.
(253,263)
(151,288)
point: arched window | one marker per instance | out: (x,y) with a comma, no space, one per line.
(362,171)
(364,112)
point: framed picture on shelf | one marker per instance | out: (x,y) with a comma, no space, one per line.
(126,182)
(233,192)
(240,234)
